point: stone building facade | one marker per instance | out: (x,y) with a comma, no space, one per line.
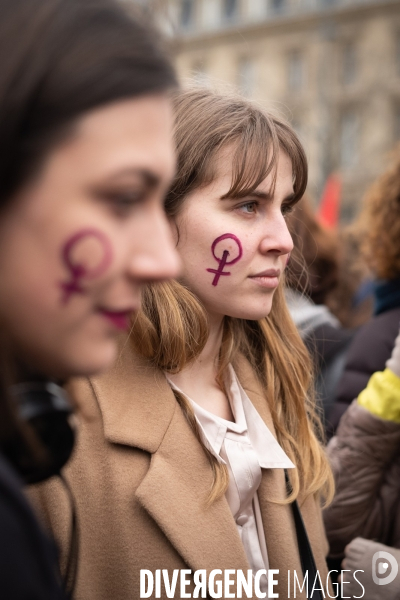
(331,66)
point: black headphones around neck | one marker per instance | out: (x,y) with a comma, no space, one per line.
(44,406)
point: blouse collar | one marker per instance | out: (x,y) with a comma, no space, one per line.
(213,429)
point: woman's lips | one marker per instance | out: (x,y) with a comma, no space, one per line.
(120,319)
(268,279)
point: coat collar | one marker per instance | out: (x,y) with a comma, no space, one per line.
(137,403)
(135,400)
(139,409)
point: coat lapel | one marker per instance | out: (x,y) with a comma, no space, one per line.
(174,490)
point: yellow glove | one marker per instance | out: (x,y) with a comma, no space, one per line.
(381,397)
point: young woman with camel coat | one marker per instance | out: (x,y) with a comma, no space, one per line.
(216,351)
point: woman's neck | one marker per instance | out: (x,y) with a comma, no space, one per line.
(198,379)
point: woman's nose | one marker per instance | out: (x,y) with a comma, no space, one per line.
(157,259)
(277,238)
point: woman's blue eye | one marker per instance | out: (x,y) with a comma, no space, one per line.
(249,207)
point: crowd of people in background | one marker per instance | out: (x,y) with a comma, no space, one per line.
(226,368)
(362,410)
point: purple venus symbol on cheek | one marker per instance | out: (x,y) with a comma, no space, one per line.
(78,270)
(224,259)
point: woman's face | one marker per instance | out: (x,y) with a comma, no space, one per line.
(234,251)
(78,242)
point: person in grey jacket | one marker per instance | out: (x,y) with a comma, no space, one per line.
(363,522)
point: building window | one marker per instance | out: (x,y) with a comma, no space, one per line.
(187,13)
(246,76)
(295,71)
(277,6)
(229,9)
(349,64)
(210,14)
(349,139)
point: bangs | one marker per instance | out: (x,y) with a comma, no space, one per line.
(257,154)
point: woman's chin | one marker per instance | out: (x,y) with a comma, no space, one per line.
(94,361)
(247,310)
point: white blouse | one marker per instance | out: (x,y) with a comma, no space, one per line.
(245,446)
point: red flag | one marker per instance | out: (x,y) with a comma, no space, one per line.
(328,210)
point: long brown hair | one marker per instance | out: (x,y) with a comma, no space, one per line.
(172,329)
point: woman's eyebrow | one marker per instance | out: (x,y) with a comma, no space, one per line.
(246,194)
(149,178)
(260,195)
(268,196)
(257,194)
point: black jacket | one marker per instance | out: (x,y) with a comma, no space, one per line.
(370,349)
(28,565)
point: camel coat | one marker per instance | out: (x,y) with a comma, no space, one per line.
(140,479)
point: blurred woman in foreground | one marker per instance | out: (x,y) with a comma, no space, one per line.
(86,157)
